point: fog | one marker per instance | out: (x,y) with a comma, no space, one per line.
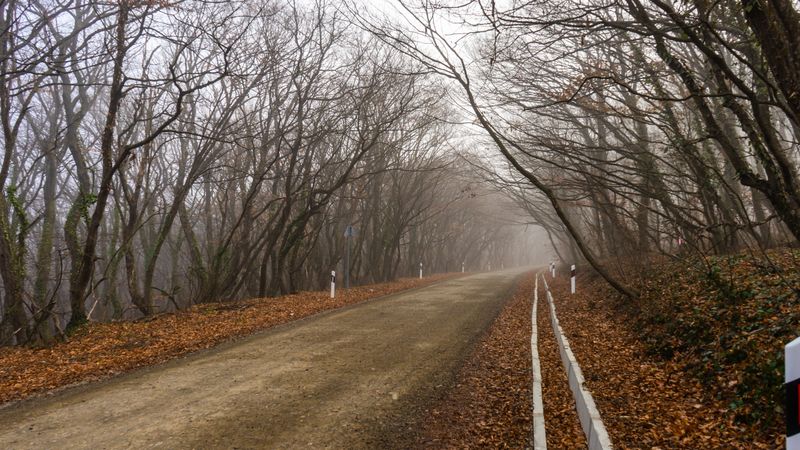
(160,155)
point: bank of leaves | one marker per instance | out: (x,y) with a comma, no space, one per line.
(645,403)
(725,320)
(101,350)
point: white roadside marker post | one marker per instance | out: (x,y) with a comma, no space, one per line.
(572,278)
(420,270)
(792,383)
(333,284)
(462,266)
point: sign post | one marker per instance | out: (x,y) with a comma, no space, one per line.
(333,283)
(792,383)
(420,270)
(462,266)
(572,278)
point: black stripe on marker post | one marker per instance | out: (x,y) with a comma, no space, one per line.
(793,407)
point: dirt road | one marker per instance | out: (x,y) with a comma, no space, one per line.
(352,378)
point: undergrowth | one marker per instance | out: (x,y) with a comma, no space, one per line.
(726,320)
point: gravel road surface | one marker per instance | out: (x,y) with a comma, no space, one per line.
(357,377)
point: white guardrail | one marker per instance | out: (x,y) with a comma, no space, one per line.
(539,438)
(589,416)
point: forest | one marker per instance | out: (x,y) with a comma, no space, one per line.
(634,128)
(158,154)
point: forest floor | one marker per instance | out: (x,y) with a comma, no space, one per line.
(101,350)
(697,361)
(643,403)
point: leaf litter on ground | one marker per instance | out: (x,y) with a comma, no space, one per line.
(696,361)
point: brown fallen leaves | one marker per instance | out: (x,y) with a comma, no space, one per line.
(644,402)
(562,426)
(101,350)
(490,405)
(726,319)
